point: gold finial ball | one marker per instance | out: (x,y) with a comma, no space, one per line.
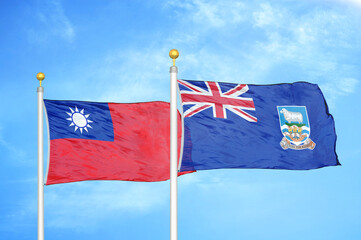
(173,53)
(40,76)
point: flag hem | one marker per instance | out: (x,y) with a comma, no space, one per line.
(180,157)
(48,133)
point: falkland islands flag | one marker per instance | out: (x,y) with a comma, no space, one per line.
(281,126)
(108,141)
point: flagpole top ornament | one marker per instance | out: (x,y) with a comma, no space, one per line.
(173,54)
(40,76)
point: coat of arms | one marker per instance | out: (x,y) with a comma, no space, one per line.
(295,128)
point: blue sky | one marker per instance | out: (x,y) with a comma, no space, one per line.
(118,51)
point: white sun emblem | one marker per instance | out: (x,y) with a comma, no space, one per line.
(79,120)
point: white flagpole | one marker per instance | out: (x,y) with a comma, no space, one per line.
(40,76)
(173,148)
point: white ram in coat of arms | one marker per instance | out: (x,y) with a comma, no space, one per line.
(295,128)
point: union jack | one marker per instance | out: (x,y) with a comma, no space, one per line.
(213,97)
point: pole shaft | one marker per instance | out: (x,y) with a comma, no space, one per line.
(40,91)
(173,155)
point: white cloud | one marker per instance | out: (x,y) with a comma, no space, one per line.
(348,85)
(210,13)
(338,87)
(133,75)
(267,16)
(123,75)
(216,186)
(10,149)
(313,43)
(302,40)
(356,3)
(85,204)
(53,22)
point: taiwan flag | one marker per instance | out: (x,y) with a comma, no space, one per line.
(108,141)
(279,126)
